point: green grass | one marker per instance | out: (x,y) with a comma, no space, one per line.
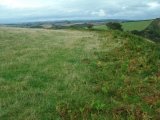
(139,25)
(129,26)
(41,68)
(129,79)
(69,74)
(101,27)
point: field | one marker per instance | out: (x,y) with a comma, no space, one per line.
(129,26)
(140,25)
(101,27)
(71,74)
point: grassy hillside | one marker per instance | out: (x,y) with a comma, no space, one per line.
(152,32)
(129,26)
(128,79)
(70,75)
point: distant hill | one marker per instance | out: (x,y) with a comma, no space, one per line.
(63,23)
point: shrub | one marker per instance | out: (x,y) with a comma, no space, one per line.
(114,26)
(90,26)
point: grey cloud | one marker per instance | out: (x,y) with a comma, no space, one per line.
(75,9)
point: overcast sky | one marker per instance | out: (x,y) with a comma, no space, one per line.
(48,10)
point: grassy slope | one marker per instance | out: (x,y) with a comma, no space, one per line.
(152,32)
(129,26)
(53,74)
(129,78)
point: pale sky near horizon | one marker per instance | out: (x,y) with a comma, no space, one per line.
(48,10)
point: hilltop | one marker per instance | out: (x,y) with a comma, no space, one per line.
(77,74)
